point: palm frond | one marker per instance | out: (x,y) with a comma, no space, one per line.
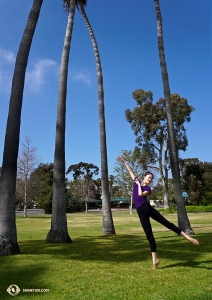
(66,4)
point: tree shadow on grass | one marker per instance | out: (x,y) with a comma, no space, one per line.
(26,276)
(207,264)
(112,248)
(36,256)
(190,255)
(125,249)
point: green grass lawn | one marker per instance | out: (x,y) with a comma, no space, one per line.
(96,266)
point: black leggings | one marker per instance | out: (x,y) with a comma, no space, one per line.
(145,212)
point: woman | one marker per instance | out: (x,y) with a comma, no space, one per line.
(140,192)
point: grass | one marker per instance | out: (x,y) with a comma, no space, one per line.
(102,267)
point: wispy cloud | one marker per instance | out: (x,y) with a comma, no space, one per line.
(82,75)
(7,60)
(35,75)
(35,78)
(6,56)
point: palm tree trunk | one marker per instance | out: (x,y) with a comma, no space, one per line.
(183,221)
(107,224)
(8,235)
(59,231)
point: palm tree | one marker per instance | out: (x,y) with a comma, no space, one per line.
(108,226)
(8,235)
(59,231)
(183,221)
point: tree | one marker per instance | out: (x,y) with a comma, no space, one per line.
(107,224)
(196,177)
(59,232)
(192,178)
(207,183)
(83,186)
(86,170)
(148,120)
(27,161)
(8,235)
(41,180)
(183,220)
(157,191)
(82,189)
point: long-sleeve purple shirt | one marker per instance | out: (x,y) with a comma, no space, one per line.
(140,200)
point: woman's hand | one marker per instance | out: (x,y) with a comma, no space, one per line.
(121,159)
(137,181)
(127,167)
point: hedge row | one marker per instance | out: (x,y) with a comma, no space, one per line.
(189,209)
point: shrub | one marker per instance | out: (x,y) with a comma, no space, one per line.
(189,209)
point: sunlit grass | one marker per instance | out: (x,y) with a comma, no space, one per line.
(96,266)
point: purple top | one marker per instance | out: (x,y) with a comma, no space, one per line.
(140,200)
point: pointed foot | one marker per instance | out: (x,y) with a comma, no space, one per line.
(194,241)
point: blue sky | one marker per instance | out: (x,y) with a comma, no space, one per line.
(127,38)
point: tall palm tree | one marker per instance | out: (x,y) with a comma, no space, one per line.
(59,231)
(183,221)
(8,235)
(108,226)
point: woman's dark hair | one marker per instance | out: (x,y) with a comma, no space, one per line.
(149,173)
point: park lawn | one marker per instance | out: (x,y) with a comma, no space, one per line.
(96,266)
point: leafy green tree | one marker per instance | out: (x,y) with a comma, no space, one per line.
(107,224)
(82,189)
(183,220)
(197,177)
(41,180)
(148,120)
(115,188)
(8,235)
(98,188)
(82,169)
(192,179)
(207,177)
(157,191)
(83,186)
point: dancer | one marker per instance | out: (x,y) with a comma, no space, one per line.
(145,211)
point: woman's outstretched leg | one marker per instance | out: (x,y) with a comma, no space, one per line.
(154,214)
(190,239)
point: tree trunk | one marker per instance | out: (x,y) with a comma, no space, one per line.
(166,177)
(86,204)
(183,221)
(165,193)
(107,224)
(59,231)
(25,197)
(8,235)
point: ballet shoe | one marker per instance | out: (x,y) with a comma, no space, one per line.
(194,241)
(156,264)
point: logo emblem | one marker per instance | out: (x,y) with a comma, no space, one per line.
(13,290)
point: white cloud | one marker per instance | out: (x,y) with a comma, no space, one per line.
(83,75)
(7,60)
(6,57)
(36,77)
